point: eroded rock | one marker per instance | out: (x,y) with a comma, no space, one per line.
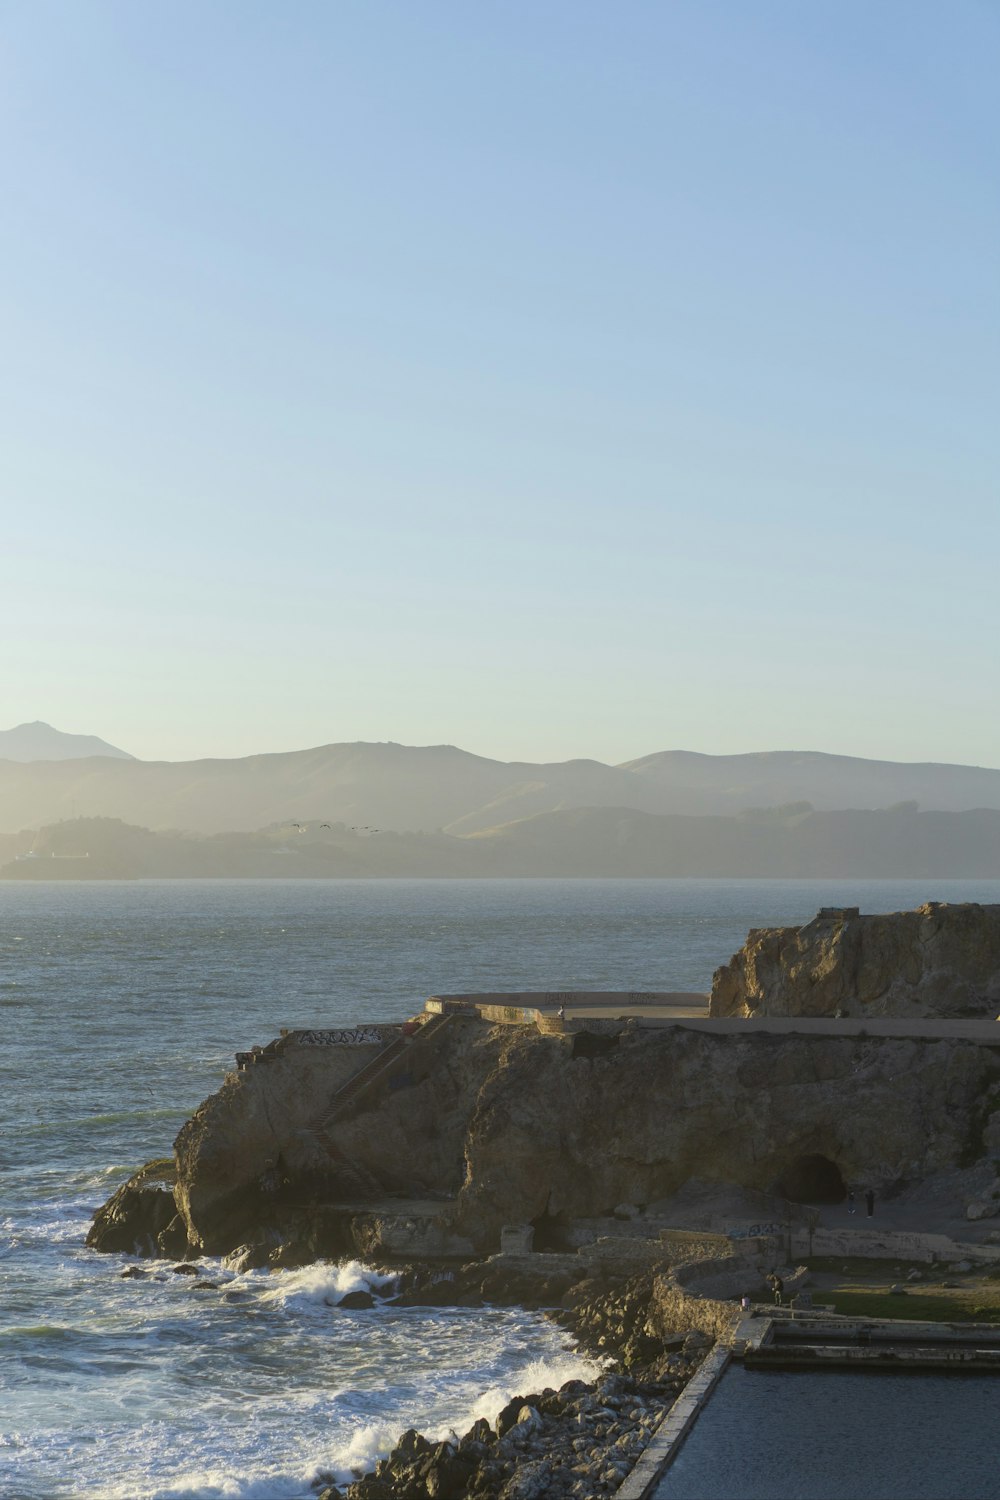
(941,960)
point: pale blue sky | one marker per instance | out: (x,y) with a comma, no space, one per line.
(546,378)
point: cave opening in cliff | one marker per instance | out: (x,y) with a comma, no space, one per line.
(551,1231)
(813,1179)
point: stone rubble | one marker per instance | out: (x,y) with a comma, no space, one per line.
(577,1443)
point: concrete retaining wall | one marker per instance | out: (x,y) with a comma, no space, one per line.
(874,1244)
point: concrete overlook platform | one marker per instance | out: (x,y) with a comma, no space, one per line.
(574,1009)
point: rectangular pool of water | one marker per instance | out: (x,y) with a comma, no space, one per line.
(841,1435)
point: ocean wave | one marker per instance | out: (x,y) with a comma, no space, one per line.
(324,1284)
(212,1484)
(40,1332)
(536,1375)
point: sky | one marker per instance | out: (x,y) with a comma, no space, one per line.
(552,380)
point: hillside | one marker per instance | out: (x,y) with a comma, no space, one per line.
(793,842)
(442,788)
(729,783)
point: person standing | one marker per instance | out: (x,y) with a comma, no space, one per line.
(852,1206)
(870,1202)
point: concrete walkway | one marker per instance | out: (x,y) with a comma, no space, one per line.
(674,1428)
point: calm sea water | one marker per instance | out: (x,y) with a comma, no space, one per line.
(122,1005)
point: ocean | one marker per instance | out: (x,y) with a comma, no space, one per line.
(122,1005)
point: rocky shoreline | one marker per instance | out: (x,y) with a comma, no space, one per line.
(575,1443)
(517,1160)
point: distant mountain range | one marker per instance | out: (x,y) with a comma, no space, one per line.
(439,788)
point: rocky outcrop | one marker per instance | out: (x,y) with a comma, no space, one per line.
(141,1217)
(939,961)
(512,1127)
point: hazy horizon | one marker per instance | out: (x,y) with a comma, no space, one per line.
(579,754)
(541,381)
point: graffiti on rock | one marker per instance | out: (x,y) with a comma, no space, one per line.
(354,1036)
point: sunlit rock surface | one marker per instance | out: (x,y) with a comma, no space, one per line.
(939,961)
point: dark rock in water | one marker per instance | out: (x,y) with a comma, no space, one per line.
(248,1257)
(449,1475)
(433,1294)
(478,1434)
(508,1417)
(205,1286)
(291,1254)
(356,1300)
(132,1271)
(373,1488)
(185,1268)
(173,1240)
(134,1217)
(411,1446)
(331,1492)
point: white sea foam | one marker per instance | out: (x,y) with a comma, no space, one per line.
(323,1284)
(532,1377)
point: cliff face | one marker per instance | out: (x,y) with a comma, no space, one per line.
(939,961)
(253,1150)
(558,1136)
(510,1126)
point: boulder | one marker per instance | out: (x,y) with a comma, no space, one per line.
(355,1301)
(135,1216)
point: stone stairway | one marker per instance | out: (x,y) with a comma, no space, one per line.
(353,1179)
(350,1094)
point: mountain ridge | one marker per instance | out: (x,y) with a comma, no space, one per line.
(442,788)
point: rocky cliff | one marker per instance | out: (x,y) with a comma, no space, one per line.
(428,1140)
(508,1126)
(940,960)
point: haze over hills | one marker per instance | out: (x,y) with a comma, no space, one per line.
(441,788)
(794,842)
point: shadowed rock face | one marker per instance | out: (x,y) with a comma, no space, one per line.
(938,961)
(510,1126)
(574,1137)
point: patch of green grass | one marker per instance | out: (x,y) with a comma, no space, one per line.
(970,1306)
(858,1265)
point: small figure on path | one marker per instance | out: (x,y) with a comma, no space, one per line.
(561,1012)
(745,1303)
(870,1201)
(777,1286)
(852,1206)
